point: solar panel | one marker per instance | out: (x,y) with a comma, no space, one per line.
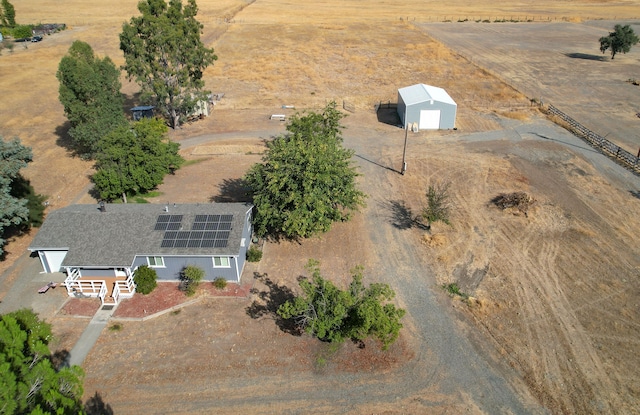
(226,218)
(199,226)
(207,243)
(196,235)
(193,243)
(224,235)
(211,226)
(220,243)
(167,243)
(213,218)
(180,243)
(173,226)
(175,218)
(170,235)
(160,227)
(224,226)
(183,235)
(200,218)
(163,218)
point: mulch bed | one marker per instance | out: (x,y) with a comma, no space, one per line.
(167,295)
(164,297)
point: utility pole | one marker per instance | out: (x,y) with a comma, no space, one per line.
(404,151)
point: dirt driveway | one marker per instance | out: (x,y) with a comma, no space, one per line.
(539,335)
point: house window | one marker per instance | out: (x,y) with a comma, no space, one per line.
(221,262)
(155,261)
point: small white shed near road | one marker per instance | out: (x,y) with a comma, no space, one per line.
(430,107)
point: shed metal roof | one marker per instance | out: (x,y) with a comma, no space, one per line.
(415,94)
(143,108)
(114,237)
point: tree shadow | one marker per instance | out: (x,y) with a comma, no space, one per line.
(271,299)
(232,191)
(96,406)
(401,216)
(64,139)
(587,56)
(387,113)
(60,358)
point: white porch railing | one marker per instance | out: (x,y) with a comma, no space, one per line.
(103,292)
(97,288)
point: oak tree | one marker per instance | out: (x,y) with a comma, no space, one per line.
(7,14)
(90,93)
(619,41)
(165,56)
(134,159)
(306,181)
(331,314)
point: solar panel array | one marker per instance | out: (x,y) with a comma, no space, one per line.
(207,231)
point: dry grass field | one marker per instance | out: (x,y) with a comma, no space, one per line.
(556,291)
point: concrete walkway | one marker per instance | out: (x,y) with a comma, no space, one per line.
(89,336)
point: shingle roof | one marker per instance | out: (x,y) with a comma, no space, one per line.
(420,93)
(114,237)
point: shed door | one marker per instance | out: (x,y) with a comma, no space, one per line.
(429,119)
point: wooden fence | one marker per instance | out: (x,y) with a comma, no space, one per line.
(605,146)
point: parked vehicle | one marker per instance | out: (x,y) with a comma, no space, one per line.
(36,38)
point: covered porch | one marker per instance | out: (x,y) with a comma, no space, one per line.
(107,285)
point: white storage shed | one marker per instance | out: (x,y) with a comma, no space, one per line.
(429,107)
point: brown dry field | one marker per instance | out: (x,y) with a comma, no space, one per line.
(557,291)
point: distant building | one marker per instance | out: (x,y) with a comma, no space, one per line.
(143,111)
(429,107)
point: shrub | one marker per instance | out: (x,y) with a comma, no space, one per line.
(220,283)
(254,254)
(437,204)
(191,276)
(145,279)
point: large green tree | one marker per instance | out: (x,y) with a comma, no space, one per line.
(13,210)
(29,382)
(306,181)
(619,41)
(90,93)
(164,54)
(7,14)
(331,314)
(134,159)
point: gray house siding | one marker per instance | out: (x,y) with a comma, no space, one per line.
(173,265)
(97,272)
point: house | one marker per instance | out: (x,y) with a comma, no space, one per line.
(426,106)
(100,247)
